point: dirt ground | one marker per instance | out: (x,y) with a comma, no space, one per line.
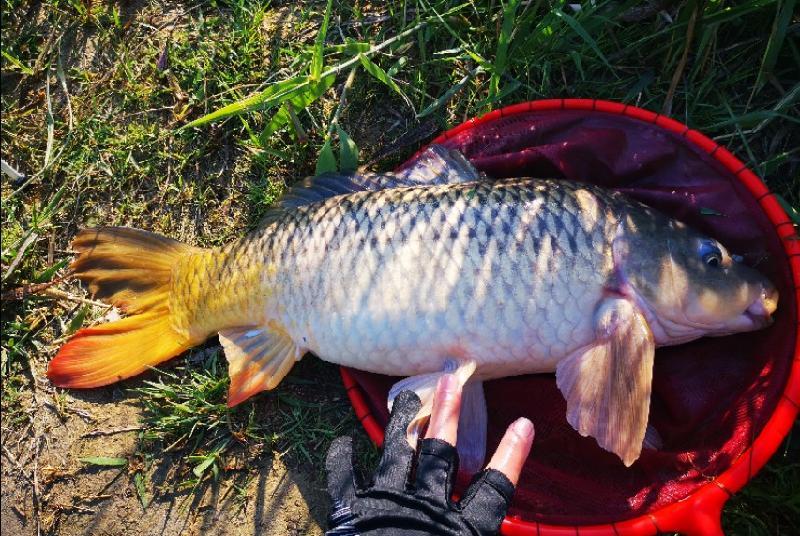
(47,490)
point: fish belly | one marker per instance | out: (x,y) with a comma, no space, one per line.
(495,315)
(396,282)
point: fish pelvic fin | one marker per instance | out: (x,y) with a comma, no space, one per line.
(607,384)
(259,357)
(132,270)
(472,421)
(472,428)
(424,385)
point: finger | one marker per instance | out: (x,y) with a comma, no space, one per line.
(437,467)
(446,407)
(513,450)
(398,455)
(339,467)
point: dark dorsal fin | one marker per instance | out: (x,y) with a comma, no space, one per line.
(435,165)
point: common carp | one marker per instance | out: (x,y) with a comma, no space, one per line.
(430,270)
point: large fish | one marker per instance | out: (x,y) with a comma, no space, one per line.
(422,272)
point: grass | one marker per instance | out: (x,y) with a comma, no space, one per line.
(99,99)
(185,411)
(188,430)
(770,503)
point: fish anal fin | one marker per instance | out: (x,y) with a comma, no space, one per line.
(424,385)
(607,384)
(259,357)
(472,423)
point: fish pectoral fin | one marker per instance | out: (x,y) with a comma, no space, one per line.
(472,423)
(259,357)
(424,386)
(607,384)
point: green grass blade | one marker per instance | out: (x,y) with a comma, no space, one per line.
(49,120)
(705,211)
(449,94)
(206,462)
(351,47)
(576,26)
(752,119)
(299,102)
(348,151)
(104,461)
(278,93)
(790,210)
(52,206)
(319,44)
(783,17)
(327,161)
(399,64)
(77,320)
(270,97)
(465,45)
(735,13)
(48,273)
(508,89)
(379,74)
(138,482)
(503,42)
(576,59)
(18,64)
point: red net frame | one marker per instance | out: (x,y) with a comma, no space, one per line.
(699,512)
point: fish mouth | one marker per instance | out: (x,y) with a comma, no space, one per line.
(758,321)
(760,312)
(758,315)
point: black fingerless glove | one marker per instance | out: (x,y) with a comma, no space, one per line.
(395,504)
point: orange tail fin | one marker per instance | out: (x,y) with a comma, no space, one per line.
(132,270)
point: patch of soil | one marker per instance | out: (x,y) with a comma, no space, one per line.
(52,492)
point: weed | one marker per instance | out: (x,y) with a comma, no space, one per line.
(185,411)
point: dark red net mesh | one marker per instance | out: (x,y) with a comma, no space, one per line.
(710,397)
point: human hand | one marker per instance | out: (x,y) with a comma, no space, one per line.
(394,505)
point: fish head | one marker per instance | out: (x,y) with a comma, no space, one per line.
(691,286)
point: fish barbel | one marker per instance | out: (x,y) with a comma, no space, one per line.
(432,270)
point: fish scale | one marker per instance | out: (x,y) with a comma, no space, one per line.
(397,281)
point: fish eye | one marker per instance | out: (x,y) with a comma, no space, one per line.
(711,254)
